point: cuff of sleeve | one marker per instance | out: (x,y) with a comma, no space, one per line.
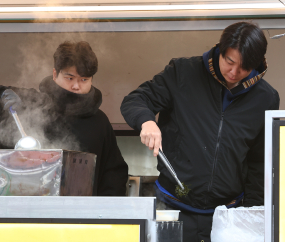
(142,119)
(2,89)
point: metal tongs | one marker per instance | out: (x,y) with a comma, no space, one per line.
(169,167)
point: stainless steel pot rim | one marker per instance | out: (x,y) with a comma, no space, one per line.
(3,182)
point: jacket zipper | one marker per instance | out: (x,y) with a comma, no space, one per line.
(217,149)
(216,153)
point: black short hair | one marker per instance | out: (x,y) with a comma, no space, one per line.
(78,54)
(248,39)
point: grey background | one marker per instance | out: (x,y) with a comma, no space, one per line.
(126,59)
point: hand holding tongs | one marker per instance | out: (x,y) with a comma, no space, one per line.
(169,167)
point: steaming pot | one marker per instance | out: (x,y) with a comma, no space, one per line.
(51,172)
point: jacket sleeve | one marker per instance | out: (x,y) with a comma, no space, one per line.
(113,170)
(2,89)
(7,125)
(3,117)
(254,185)
(31,99)
(149,98)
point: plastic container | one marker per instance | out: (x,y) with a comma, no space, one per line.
(167,215)
(169,231)
(46,172)
(239,224)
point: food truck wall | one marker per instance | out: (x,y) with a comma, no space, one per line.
(131,48)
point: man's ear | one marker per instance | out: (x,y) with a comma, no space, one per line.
(54,74)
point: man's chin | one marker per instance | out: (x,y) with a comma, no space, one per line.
(231,80)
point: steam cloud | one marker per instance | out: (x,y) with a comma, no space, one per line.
(35,63)
(161,205)
(34,122)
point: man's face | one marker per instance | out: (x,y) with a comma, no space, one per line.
(230,67)
(69,79)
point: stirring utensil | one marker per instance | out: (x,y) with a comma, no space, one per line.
(169,167)
(26,142)
(277,36)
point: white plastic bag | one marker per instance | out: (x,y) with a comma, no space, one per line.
(238,224)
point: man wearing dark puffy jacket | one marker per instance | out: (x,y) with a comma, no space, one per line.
(65,114)
(211,127)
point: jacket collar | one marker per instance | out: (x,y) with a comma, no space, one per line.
(245,85)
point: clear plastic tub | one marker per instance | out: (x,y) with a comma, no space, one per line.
(169,231)
(239,224)
(46,173)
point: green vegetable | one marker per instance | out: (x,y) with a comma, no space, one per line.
(182,193)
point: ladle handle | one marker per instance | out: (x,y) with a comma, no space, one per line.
(277,36)
(169,167)
(17,120)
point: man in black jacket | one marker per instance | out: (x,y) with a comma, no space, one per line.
(65,114)
(211,127)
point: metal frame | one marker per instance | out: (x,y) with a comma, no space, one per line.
(130,26)
(268,191)
(76,208)
(140,11)
(276,178)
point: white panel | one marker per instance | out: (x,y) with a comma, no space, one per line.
(139,158)
(91,12)
(269,116)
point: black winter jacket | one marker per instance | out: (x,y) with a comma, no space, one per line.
(64,120)
(217,154)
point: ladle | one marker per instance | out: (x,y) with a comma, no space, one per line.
(277,36)
(26,142)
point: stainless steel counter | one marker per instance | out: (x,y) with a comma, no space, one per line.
(136,208)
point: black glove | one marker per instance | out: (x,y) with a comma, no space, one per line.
(11,99)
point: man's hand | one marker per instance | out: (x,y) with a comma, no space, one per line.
(151,136)
(11,99)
